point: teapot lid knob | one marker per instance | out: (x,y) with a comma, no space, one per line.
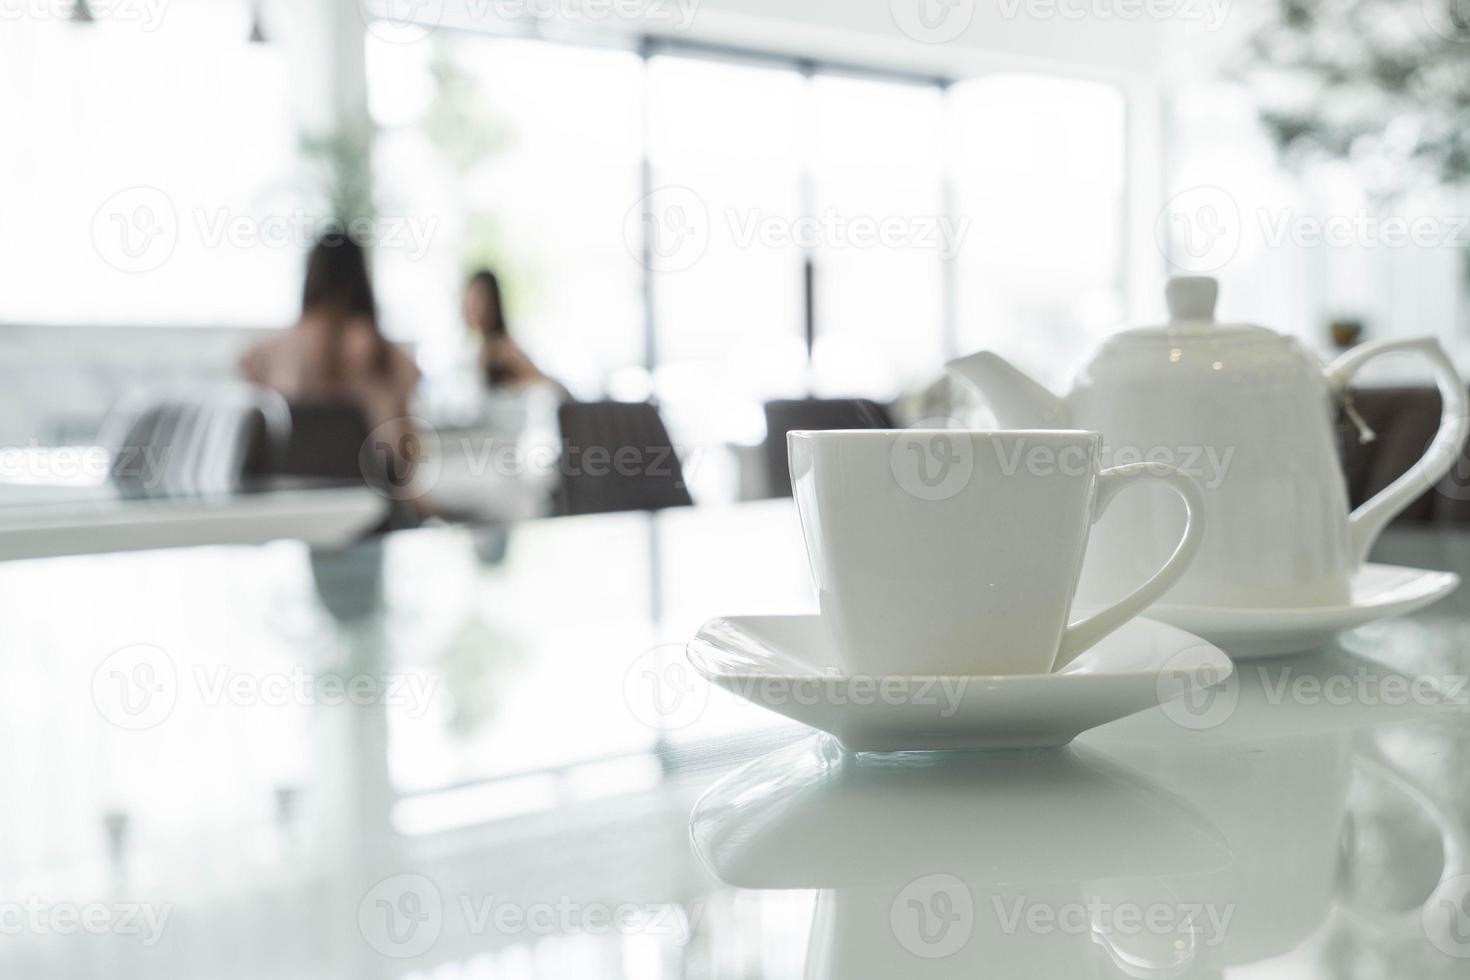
(1192,297)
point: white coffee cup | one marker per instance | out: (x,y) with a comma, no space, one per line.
(955,552)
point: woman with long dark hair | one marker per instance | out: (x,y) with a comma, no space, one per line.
(502,362)
(335,352)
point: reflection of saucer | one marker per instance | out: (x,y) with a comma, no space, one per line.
(1378,591)
(784,663)
(1327,692)
(814,816)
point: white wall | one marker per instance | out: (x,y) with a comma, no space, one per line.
(57,383)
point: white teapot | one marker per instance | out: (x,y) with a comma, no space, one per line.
(1249,413)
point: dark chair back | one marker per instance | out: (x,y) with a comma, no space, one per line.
(326,442)
(617,456)
(813,413)
(330,441)
(1404,421)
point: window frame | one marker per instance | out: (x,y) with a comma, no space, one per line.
(649,46)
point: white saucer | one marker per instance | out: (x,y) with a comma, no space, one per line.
(784,663)
(1378,591)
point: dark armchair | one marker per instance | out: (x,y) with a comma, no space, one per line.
(1404,421)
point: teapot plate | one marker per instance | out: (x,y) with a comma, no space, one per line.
(785,664)
(1378,591)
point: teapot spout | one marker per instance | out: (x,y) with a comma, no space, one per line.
(1018,400)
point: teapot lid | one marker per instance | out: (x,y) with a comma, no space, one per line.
(1191,302)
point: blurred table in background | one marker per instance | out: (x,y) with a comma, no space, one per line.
(485,475)
(60,500)
(41,521)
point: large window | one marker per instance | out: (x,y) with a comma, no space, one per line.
(717,230)
(725,158)
(878,163)
(523,156)
(713,229)
(821,272)
(1039,171)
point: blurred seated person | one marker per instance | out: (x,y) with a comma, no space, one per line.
(336,354)
(502,363)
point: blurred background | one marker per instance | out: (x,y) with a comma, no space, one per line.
(714,203)
(323,306)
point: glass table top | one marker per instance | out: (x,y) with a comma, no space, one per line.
(479,753)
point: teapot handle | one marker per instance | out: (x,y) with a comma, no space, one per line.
(1370,517)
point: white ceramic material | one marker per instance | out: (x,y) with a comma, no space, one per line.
(787,664)
(950,552)
(1247,412)
(1376,592)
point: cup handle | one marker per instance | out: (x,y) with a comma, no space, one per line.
(1370,517)
(1080,636)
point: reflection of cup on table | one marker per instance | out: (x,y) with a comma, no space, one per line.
(925,861)
(937,926)
(814,816)
(1280,806)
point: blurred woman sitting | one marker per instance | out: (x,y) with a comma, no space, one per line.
(502,362)
(335,353)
